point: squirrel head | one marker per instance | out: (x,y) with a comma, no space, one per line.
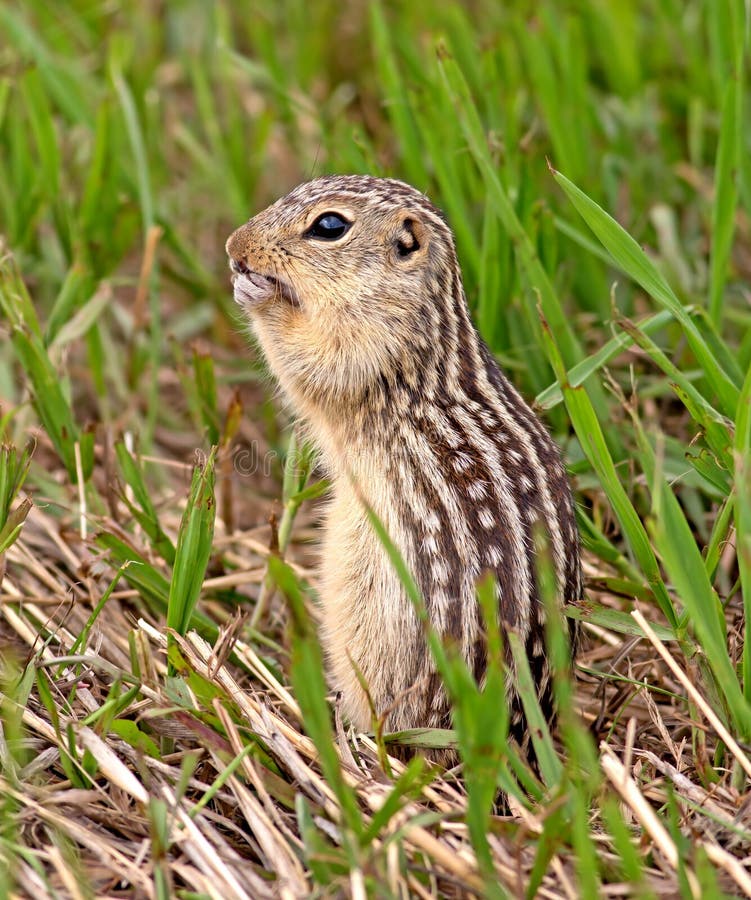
(345,280)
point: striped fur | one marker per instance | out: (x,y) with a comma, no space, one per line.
(377,353)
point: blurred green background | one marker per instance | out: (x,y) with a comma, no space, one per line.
(193,115)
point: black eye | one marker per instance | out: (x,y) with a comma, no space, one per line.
(328,227)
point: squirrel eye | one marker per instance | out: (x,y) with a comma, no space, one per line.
(328,227)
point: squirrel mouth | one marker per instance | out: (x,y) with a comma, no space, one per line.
(253,288)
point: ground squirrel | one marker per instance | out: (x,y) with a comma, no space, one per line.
(354,292)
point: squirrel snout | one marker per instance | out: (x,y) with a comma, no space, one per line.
(237,246)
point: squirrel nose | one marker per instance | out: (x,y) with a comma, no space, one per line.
(237,244)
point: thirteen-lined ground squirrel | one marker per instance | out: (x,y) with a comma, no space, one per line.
(354,291)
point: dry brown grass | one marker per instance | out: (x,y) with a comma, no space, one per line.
(96,833)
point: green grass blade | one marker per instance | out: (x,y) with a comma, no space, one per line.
(742,457)
(15,302)
(582,370)
(550,766)
(147,516)
(413,778)
(310,690)
(193,549)
(726,196)
(396,96)
(682,560)
(14,467)
(630,257)
(42,125)
(471,125)
(715,425)
(137,143)
(10,528)
(480,716)
(49,401)
(205,381)
(139,152)
(617,621)
(84,319)
(590,435)
(139,574)
(77,283)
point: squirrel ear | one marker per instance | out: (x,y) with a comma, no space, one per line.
(410,238)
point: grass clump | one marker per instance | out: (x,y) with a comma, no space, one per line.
(165,723)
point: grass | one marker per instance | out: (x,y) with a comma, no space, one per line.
(165,723)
